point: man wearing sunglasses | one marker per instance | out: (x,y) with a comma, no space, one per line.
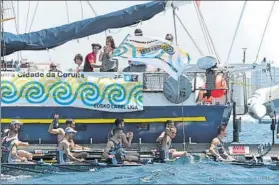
(165,152)
(90,59)
(60,132)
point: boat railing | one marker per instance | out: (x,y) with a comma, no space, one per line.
(154,82)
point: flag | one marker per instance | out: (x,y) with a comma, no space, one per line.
(156,52)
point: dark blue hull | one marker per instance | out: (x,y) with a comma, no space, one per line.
(201,131)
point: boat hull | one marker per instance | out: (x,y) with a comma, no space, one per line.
(200,122)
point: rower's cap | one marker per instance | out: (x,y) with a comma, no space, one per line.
(15,121)
(70,130)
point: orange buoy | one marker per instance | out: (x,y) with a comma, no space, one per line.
(220,84)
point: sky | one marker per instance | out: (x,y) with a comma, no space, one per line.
(221,18)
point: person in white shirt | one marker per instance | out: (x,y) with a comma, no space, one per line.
(78,60)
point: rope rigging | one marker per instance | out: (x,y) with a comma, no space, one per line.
(7,15)
(241,15)
(19,54)
(27,16)
(81,10)
(196,45)
(95,14)
(34,15)
(174,22)
(208,34)
(209,49)
(270,13)
(67,11)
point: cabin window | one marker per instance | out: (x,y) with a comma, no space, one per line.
(81,128)
(143,126)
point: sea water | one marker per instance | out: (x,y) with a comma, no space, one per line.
(181,172)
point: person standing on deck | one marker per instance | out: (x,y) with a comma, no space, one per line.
(56,130)
(53,68)
(64,154)
(114,153)
(126,139)
(91,58)
(217,148)
(169,37)
(78,61)
(165,152)
(10,143)
(108,64)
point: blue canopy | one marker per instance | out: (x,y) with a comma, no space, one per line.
(53,37)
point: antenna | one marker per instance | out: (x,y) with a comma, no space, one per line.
(244,55)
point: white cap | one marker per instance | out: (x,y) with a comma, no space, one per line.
(70,130)
(15,121)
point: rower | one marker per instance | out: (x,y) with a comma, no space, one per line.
(169,124)
(64,155)
(165,152)
(10,144)
(126,139)
(217,148)
(114,153)
(70,123)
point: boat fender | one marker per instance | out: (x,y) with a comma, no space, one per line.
(177,93)
(257,110)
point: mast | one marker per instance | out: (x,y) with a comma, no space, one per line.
(174,22)
(1,28)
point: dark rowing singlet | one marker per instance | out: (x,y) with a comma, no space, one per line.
(61,156)
(220,148)
(6,149)
(164,151)
(117,151)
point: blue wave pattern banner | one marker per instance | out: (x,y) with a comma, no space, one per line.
(156,52)
(111,92)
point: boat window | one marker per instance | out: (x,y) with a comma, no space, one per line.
(154,82)
(143,126)
(81,127)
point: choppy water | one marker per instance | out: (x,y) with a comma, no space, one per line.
(181,172)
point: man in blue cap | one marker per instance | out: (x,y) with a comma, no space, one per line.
(10,145)
(64,154)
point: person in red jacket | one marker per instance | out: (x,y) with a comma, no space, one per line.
(90,59)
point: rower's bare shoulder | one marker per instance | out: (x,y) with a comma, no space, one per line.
(215,141)
(61,131)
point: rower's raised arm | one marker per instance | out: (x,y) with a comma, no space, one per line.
(53,130)
(160,138)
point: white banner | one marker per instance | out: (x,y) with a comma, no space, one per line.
(112,92)
(158,53)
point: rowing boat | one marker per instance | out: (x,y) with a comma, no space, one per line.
(44,168)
